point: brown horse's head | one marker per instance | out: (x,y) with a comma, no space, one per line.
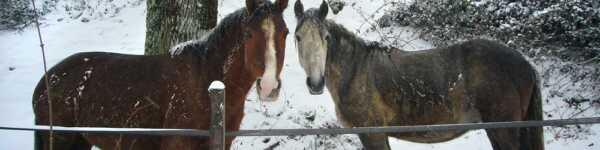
(264,48)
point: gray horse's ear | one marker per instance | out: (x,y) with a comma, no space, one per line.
(323,10)
(299,9)
(281,5)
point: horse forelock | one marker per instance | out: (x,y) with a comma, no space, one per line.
(309,15)
(261,12)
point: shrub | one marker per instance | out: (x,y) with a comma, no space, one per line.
(15,14)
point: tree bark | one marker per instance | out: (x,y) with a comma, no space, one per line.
(169,22)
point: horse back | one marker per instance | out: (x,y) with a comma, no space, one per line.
(116,90)
(438,82)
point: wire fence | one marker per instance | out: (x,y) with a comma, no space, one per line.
(286,132)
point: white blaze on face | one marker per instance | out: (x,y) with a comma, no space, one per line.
(269,77)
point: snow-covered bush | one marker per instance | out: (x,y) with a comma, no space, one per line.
(529,23)
(15,14)
(85,10)
(18,14)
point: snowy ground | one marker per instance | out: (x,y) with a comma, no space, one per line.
(124,33)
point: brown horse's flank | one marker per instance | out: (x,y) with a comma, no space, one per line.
(97,89)
(375,85)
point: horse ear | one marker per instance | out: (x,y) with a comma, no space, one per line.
(299,9)
(281,5)
(323,10)
(251,5)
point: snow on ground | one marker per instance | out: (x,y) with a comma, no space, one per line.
(125,33)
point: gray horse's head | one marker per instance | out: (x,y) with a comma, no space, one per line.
(311,40)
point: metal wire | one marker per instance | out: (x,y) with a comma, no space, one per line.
(50,122)
(100,130)
(286,132)
(418,128)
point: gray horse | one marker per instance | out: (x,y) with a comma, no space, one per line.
(373,85)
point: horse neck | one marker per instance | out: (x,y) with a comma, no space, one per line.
(225,46)
(227,40)
(345,48)
(346,56)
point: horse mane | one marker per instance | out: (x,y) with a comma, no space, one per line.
(341,31)
(198,45)
(226,31)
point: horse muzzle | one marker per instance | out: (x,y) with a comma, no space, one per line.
(273,95)
(315,87)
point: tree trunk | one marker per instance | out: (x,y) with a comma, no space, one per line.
(169,22)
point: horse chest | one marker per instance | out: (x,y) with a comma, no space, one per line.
(360,105)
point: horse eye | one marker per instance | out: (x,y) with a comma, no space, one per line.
(298,38)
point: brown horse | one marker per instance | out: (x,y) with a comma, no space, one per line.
(374,85)
(100,89)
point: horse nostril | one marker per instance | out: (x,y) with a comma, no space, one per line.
(278,84)
(321,82)
(316,85)
(258,84)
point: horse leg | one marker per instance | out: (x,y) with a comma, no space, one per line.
(374,141)
(234,110)
(233,123)
(182,143)
(80,143)
(503,139)
(60,141)
(501,109)
(177,120)
(533,138)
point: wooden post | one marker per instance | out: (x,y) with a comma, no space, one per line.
(217,119)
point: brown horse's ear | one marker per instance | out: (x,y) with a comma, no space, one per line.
(323,10)
(251,5)
(280,5)
(299,9)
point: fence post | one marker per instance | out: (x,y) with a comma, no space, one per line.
(217,117)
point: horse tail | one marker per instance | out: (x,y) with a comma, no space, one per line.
(533,138)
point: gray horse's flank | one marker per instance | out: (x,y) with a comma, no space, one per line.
(373,85)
